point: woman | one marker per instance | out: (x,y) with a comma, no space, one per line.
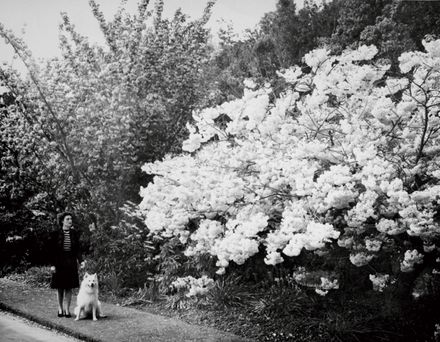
(66,257)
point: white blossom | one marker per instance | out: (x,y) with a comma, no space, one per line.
(411,258)
(379,281)
(361,258)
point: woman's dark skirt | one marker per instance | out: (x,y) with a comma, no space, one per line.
(66,273)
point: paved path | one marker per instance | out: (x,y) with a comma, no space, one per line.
(17,329)
(122,324)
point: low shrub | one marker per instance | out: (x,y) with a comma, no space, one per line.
(121,255)
(149,293)
(38,276)
(229,291)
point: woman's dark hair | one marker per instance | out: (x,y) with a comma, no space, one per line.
(61,217)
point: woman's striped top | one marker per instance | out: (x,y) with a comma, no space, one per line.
(67,246)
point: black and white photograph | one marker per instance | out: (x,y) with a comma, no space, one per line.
(220,170)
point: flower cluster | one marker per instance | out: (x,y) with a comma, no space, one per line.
(14,238)
(194,286)
(326,285)
(411,258)
(321,282)
(379,281)
(361,258)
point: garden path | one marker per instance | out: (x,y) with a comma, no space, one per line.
(122,324)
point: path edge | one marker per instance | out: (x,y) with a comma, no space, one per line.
(48,324)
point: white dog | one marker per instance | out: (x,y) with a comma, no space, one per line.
(87,300)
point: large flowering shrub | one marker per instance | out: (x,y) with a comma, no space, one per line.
(346,160)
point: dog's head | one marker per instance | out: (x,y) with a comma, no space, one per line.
(90,281)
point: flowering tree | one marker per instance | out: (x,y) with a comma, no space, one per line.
(75,130)
(344,162)
(97,113)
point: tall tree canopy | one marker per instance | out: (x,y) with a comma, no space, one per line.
(95,114)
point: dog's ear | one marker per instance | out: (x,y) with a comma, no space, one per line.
(86,275)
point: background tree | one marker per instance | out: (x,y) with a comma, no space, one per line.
(105,110)
(24,200)
(294,32)
(80,126)
(353,17)
(393,26)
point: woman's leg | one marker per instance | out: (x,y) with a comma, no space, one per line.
(60,297)
(68,296)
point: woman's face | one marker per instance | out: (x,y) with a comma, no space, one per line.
(67,222)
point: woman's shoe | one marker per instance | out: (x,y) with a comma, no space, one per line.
(60,314)
(68,315)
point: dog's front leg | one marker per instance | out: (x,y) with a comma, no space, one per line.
(80,308)
(94,312)
(99,312)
